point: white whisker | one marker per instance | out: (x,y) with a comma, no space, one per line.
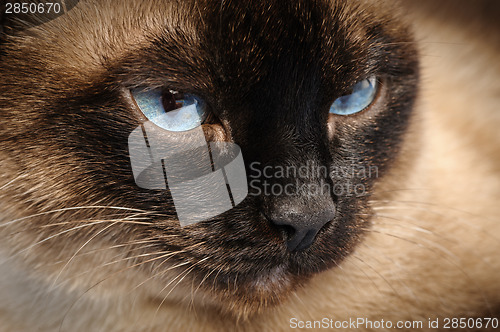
(81,247)
(70,209)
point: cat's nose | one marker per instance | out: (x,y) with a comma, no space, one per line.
(302,228)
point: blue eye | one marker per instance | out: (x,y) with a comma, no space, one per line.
(171,110)
(361,97)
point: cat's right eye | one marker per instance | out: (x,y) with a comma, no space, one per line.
(171,110)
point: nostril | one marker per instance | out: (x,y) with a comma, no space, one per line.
(301,241)
(301,229)
(287,229)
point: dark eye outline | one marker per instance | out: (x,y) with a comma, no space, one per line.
(363,95)
(170,109)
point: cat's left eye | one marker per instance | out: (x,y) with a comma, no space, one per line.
(170,109)
(362,95)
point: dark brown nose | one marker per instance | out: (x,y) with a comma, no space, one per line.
(302,227)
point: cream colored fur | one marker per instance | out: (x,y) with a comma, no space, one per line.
(431,251)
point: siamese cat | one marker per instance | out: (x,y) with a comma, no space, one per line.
(395,104)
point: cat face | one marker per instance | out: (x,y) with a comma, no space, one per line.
(268,73)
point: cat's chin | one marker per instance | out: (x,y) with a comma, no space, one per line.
(269,289)
(242,296)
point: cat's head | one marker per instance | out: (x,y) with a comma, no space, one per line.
(268,72)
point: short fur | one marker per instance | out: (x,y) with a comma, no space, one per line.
(84,248)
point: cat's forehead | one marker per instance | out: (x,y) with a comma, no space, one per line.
(279,42)
(302,31)
(223,40)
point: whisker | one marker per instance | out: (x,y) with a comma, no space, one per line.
(74,208)
(186,272)
(11,181)
(401,222)
(441,206)
(378,273)
(455,219)
(394,263)
(116,246)
(446,257)
(163,262)
(156,274)
(434,244)
(119,221)
(88,223)
(79,249)
(366,275)
(205,277)
(55,235)
(98,283)
(219,270)
(111,263)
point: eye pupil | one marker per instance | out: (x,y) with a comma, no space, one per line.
(172,100)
